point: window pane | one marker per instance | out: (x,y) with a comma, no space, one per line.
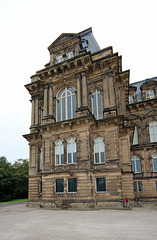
(135,187)
(96,157)
(60,185)
(138,166)
(139,187)
(62,158)
(72,185)
(57,159)
(133,165)
(101,184)
(69,158)
(58,110)
(135,139)
(74,157)
(102,157)
(99,106)
(94,106)
(74,105)
(69,107)
(63,109)
(155,165)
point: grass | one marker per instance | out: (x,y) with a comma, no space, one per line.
(14,201)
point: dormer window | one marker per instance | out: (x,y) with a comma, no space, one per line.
(69,55)
(59,58)
(84,43)
(149,94)
(130,99)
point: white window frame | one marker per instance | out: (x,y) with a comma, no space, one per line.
(150,94)
(71,145)
(69,54)
(96,185)
(154,157)
(59,58)
(135,159)
(98,113)
(59,147)
(99,143)
(68,93)
(153,131)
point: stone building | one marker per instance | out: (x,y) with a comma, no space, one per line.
(93,135)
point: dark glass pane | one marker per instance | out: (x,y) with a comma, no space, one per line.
(101,184)
(63,110)
(74,157)
(62,158)
(139,186)
(59,110)
(96,157)
(72,185)
(133,165)
(94,106)
(135,187)
(60,185)
(138,166)
(100,105)
(57,159)
(74,105)
(69,107)
(102,157)
(69,158)
(40,187)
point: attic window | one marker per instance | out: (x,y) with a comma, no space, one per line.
(69,54)
(84,43)
(59,58)
(130,99)
(149,94)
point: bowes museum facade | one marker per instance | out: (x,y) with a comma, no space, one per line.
(93,136)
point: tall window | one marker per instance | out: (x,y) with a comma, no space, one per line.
(59,58)
(97,104)
(99,150)
(42,114)
(71,150)
(70,54)
(149,94)
(41,158)
(135,138)
(100,184)
(40,187)
(136,165)
(130,99)
(59,185)
(154,162)
(72,185)
(59,152)
(153,131)
(66,104)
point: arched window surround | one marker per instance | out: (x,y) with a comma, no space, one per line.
(66,104)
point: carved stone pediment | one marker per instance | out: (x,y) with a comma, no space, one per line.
(63,38)
(148,83)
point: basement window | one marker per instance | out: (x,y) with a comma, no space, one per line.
(60,185)
(100,184)
(72,185)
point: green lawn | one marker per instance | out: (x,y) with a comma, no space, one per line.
(14,201)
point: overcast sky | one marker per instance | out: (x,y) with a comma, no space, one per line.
(28,27)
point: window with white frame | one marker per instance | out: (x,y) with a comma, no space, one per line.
(135,138)
(66,104)
(41,158)
(100,184)
(150,94)
(154,162)
(136,164)
(69,55)
(59,58)
(153,131)
(59,152)
(97,104)
(72,185)
(71,150)
(130,99)
(59,185)
(99,150)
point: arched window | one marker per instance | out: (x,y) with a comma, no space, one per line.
(97,104)
(149,94)
(153,131)
(59,152)
(99,150)
(154,162)
(66,104)
(135,138)
(59,58)
(69,54)
(130,99)
(71,151)
(136,165)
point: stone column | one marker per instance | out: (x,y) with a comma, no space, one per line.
(50,101)
(45,100)
(78,91)
(84,90)
(36,111)
(33,113)
(106,91)
(111,90)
